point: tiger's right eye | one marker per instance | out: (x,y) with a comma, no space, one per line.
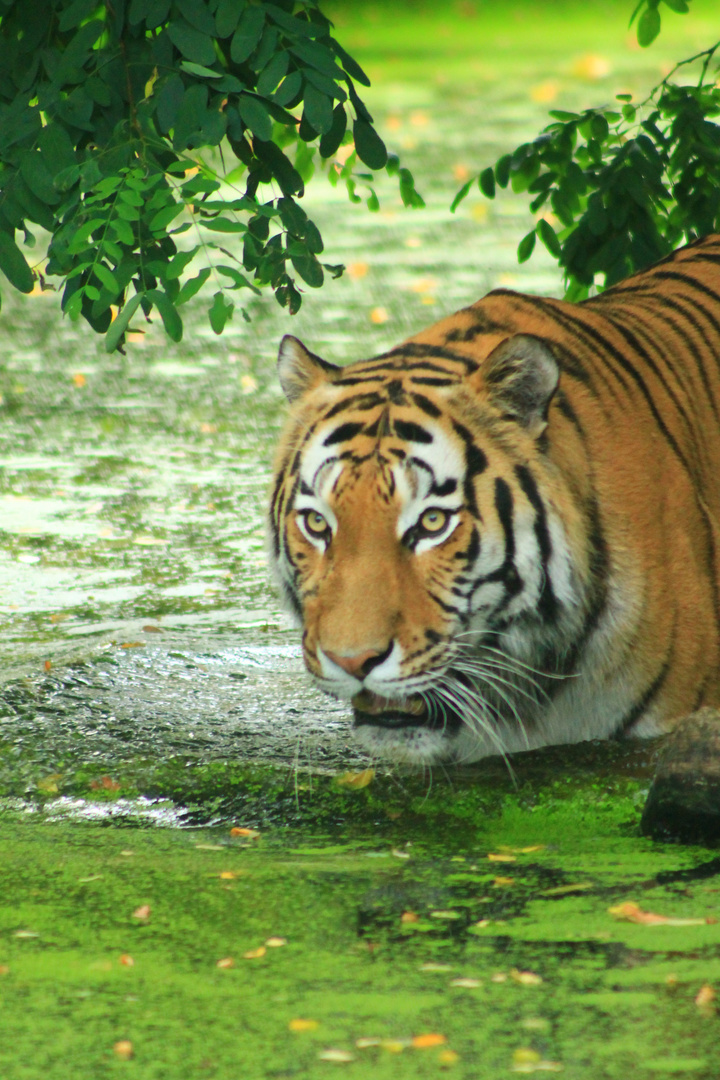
(315,523)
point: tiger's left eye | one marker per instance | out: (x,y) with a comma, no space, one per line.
(315,523)
(433,521)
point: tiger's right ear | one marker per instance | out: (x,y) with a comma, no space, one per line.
(300,370)
(521,376)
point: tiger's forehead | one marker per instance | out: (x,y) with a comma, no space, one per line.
(416,453)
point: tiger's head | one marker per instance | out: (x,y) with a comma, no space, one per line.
(411,539)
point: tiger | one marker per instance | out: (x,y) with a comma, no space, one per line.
(504,533)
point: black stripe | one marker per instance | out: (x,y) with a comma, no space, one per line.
(417,350)
(406,429)
(446,488)
(426,405)
(359,402)
(471,552)
(343,434)
(547,603)
(647,698)
(475,463)
(430,380)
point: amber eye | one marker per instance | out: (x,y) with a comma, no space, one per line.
(315,523)
(433,521)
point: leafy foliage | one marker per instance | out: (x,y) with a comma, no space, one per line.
(116,118)
(616,189)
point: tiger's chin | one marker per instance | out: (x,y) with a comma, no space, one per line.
(404,731)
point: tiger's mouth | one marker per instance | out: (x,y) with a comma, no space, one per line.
(411,712)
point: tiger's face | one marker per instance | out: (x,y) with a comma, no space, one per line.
(410,540)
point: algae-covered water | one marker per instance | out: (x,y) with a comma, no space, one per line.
(152,696)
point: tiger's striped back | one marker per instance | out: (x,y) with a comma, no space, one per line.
(504,532)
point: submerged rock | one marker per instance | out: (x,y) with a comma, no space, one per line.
(684,798)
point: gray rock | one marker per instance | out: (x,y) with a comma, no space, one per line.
(684,798)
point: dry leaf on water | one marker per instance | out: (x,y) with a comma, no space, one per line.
(630,912)
(356,780)
(428,1040)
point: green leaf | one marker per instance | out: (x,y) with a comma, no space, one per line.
(192,286)
(197,14)
(160,221)
(272,73)
(190,115)
(120,324)
(226,17)
(123,231)
(526,247)
(460,195)
(167,102)
(680,6)
(239,280)
(648,26)
(502,170)
(168,313)
(56,148)
(248,34)
(351,66)
(224,225)
(13,264)
(289,88)
(370,147)
(254,113)
(486,183)
(331,140)
(549,237)
(408,194)
(107,278)
(309,269)
(220,311)
(177,265)
(192,43)
(75,14)
(199,70)
(318,110)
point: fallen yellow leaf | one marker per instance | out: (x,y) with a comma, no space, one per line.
(123,1049)
(356,780)
(525,978)
(254,954)
(333,1054)
(379,315)
(631,912)
(249,833)
(428,1040)
(301,1024)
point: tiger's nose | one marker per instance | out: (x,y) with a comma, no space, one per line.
(361,664)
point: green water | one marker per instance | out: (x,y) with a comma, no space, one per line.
(149,678)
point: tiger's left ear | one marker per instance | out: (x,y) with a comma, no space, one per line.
(520,377)
(300,370)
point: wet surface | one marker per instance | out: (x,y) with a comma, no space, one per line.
(136,611)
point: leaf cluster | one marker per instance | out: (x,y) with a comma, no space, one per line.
(615,189)
(116,120)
